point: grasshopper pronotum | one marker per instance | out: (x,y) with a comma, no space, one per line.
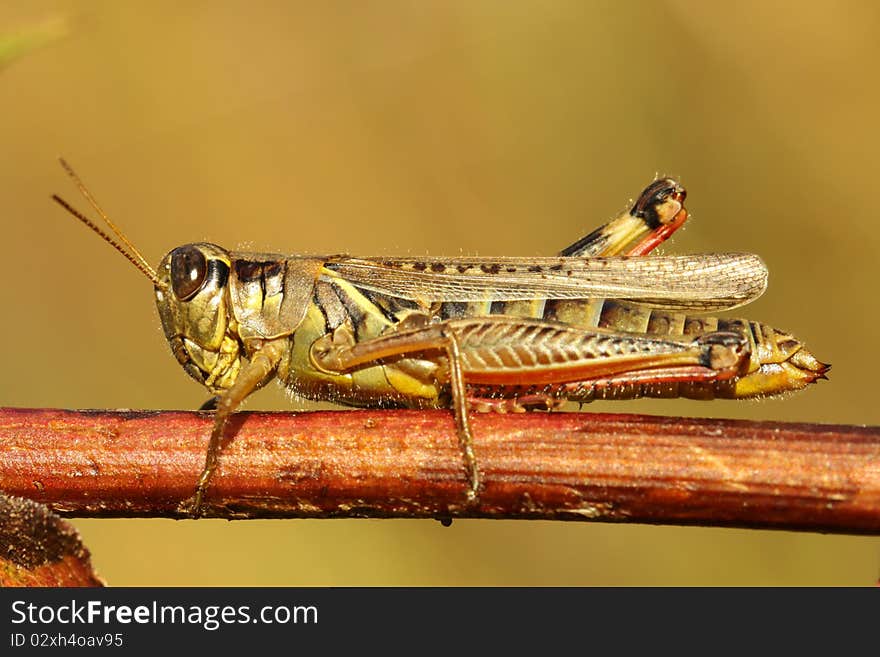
(598,321)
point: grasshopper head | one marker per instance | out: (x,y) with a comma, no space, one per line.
(190,293)
(193,305)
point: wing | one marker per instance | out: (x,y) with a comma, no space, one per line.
(708,282)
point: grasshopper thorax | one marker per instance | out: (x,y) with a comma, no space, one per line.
(193,305)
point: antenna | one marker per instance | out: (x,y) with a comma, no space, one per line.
(132,254)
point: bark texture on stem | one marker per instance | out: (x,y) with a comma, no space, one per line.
(560,466)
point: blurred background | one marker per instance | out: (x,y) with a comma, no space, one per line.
(475,127)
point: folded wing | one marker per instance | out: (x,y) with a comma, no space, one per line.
(707,282)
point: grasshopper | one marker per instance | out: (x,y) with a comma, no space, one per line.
(598,321)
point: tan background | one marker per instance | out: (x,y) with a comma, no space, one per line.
(437,127)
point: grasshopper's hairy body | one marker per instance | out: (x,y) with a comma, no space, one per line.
(560,331)
(518,351)
(502,334)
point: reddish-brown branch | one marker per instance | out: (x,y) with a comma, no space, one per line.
(572,466)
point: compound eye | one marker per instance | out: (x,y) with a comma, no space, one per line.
(189,269)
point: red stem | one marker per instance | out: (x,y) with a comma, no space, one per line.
(564,466)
